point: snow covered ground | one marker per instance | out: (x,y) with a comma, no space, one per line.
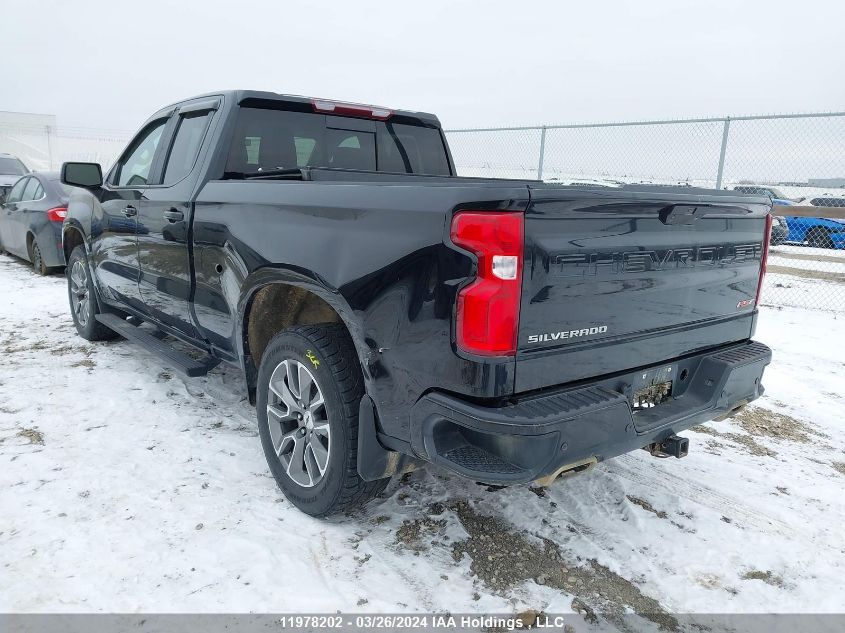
(802,277)
(126,487)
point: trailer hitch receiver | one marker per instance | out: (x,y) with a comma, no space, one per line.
(672,446)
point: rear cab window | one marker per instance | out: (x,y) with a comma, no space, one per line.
(267,139)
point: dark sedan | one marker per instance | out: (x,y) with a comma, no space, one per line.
(31,220)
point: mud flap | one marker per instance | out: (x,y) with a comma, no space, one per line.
(374,460)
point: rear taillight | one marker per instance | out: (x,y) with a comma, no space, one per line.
(766,239)
(488,308)
(57,214)
(351,109)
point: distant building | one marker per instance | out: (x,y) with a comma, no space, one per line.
(28,136)
(826,182)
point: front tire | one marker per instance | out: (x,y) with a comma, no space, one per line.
(82,296)
(309,388)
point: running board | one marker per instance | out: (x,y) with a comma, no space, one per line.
(176,359)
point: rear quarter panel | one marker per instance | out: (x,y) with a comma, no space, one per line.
(375,252)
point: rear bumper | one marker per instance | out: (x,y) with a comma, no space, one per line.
(537,435)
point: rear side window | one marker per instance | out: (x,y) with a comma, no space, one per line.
(186,146)
(279,139)
(31,191)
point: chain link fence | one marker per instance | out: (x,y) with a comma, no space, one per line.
(797,159)
(46,147)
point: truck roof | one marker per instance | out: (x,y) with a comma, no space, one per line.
(258,96)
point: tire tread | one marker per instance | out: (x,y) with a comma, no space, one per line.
(338,352)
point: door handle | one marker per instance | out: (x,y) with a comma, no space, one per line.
(130,211)
(173,215)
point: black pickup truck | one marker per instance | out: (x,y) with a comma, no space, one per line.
(386,312)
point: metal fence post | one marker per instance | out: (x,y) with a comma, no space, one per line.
(542,152)
(49,148)
(725,129)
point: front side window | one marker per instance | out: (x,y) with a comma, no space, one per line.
(134,169)
(186,146)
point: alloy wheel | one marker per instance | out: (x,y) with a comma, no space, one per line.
(80,299)
(298,423)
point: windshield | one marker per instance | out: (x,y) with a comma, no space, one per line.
(12,167)
(279,139)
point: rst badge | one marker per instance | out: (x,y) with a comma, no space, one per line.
(556,336)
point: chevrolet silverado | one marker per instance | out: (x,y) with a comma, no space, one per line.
(386,312)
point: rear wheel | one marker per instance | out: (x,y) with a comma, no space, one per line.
(309,389)
(37,259)
(82,296)
(819,238)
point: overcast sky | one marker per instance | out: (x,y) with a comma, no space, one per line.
(474,63)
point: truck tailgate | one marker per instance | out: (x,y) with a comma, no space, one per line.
(621,278)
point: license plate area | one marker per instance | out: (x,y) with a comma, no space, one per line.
(649,397)
(652,388)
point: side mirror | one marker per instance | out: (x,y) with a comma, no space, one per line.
(85,175)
